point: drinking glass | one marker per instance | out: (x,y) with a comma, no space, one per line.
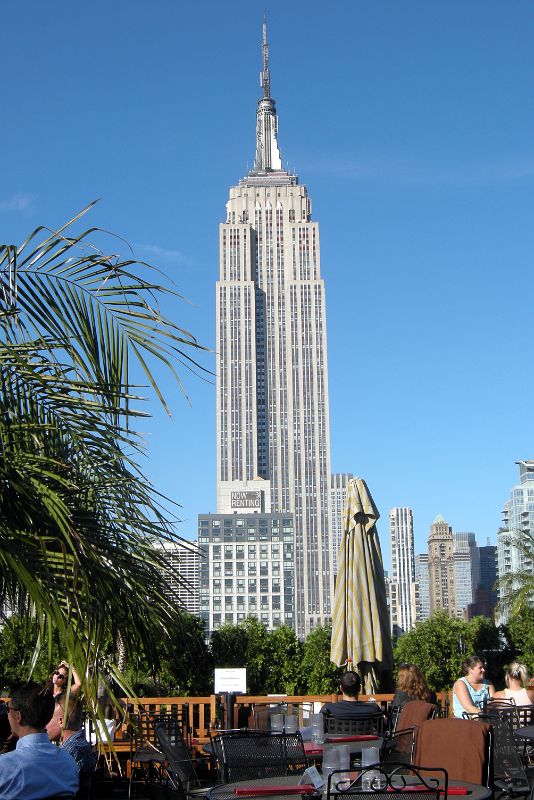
(317,722)
(277,723)
(291,723)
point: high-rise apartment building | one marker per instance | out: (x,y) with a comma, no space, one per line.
(441,567)
(338,495)
(466,570)
(182,574)
(402,590)
(247,569)
(422,586)
(485,596)
(272,378)
(518,520)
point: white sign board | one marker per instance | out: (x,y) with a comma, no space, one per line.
(230,679)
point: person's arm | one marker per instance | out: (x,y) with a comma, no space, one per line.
(76,683)
(530,693)
(462,693)
(491,689)
(500,695)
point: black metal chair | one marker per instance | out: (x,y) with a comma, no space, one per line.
(509,774)
(176,753)
(398,748)
(146,756)
(369,724)
(397,782)
(245,755)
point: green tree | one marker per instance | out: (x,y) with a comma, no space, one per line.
(243,645)
(185,663)
(283,661)
(318,674)
(77,516)
(440,644)
(521,631)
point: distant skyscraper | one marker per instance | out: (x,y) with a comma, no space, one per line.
(402,594)
(441,567)
(272,379)
(183,570)
(518,519)
(485,596)
(422,591)
(338,495)
(466,570)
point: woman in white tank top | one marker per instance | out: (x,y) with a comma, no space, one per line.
(516,679)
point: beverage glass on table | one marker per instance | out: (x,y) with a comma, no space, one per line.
(317,722)
(277,723)
(291,723)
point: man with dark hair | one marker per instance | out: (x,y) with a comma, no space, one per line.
(36,768)
(350,706)
(67,729)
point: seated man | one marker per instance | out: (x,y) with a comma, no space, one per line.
(71,734)
(36,768)
(350,706)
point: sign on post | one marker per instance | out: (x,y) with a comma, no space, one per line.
(231,679)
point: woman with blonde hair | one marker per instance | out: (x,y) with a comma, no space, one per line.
(516,680)
(411,685)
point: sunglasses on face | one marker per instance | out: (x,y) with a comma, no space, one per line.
(59,674)
(10,708)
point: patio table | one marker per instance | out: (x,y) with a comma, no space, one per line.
(227,790)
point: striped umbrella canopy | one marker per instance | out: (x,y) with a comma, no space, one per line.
(360,621)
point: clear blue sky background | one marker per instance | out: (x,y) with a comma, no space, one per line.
(411,124)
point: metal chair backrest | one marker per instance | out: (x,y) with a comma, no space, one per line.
(372,723)
(174,748)
(395,783)
(398,748)
(508,771)
(247,755)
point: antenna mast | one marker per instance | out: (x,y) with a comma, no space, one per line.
(265,77)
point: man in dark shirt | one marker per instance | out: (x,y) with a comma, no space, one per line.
(350,706)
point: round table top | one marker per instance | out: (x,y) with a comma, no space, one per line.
(525,733)
(227,791)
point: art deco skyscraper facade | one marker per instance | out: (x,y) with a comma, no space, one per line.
(441,567)
(272,390)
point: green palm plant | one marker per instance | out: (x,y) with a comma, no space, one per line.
(78,519)
(516,589)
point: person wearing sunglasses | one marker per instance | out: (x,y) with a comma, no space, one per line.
(59,679)
(36,768)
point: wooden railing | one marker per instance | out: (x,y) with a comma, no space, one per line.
(302,705)
(197,714)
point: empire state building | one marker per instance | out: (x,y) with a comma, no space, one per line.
(272,375)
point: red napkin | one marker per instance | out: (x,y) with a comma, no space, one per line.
(420,788)
(258,791)
(364,737)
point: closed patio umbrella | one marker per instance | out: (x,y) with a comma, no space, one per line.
(360,620)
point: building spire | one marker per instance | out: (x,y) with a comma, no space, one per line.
(268,158)
(265,77)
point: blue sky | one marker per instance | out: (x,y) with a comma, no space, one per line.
(410,122)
